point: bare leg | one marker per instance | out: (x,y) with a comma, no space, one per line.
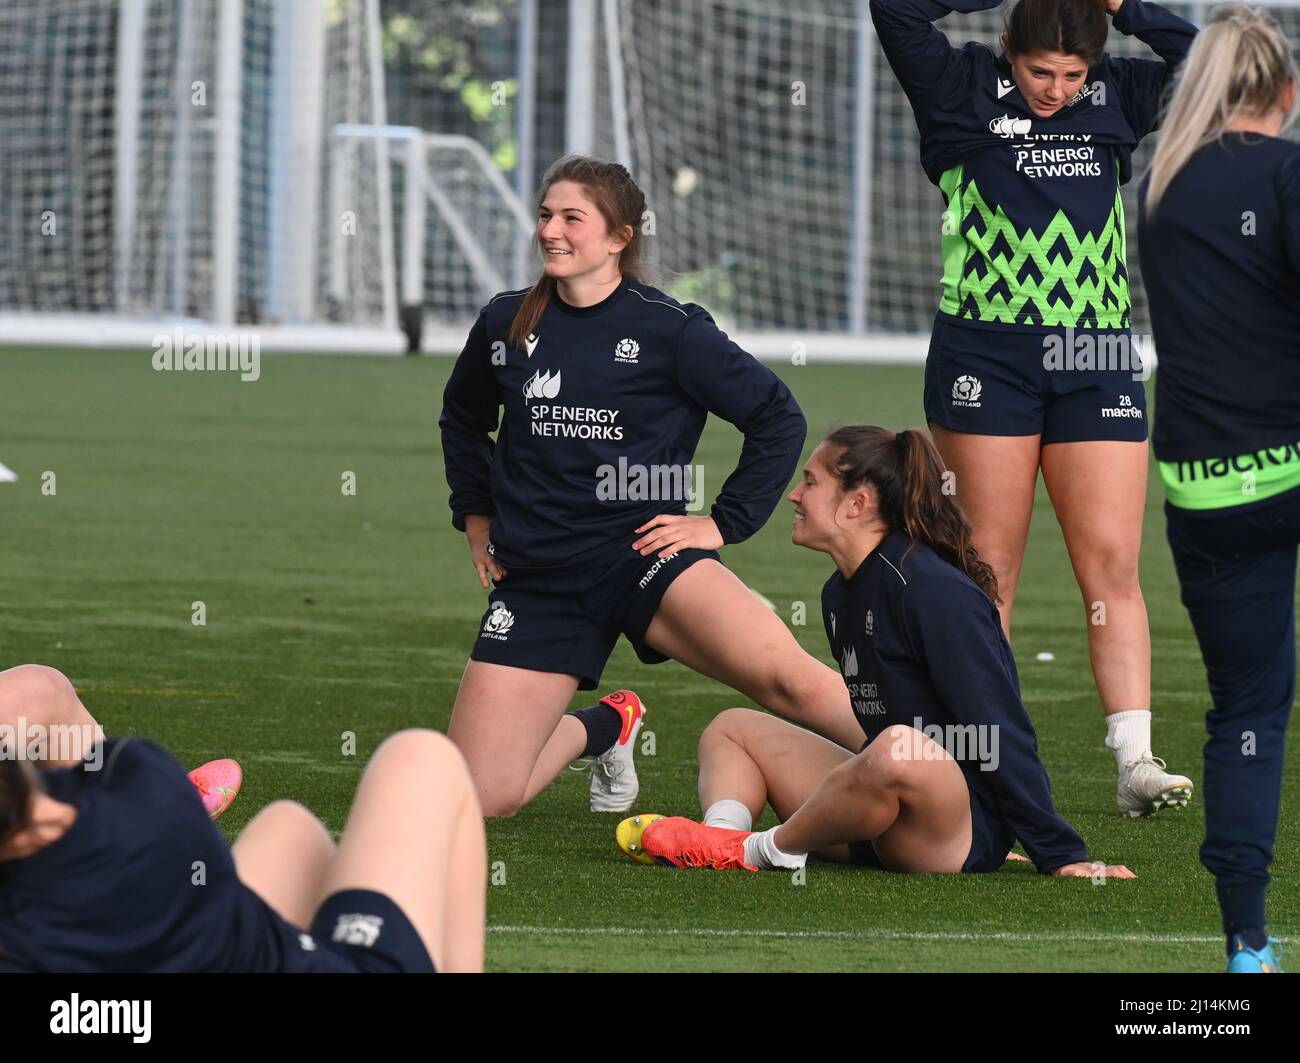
(700,623)
(565,745)
(46,698)
(995,480)
(415,834)
(509,723)
(282,856)
(904,793)
(1099,490)
(755,759)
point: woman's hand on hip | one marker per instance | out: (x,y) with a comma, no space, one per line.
(669,534)
(478,531)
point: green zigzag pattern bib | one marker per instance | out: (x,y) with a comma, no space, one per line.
(995,273)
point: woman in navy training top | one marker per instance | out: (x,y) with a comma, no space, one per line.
(948,778)
(1029,149)
(578,514)
(1220,243)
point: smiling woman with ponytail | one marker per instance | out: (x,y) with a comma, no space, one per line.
(909,484)
(589,371)
(948,778)
(1219,233)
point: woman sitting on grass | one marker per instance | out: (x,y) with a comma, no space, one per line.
(948,778)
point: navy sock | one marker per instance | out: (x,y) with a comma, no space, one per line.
(1255,937)
(603,724)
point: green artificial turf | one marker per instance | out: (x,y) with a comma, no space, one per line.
(328,613)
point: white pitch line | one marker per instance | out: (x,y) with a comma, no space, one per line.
(863,935)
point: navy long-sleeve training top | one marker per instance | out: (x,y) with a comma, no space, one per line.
(1034,233)
(1221,260)
(919,644)
(141,881)
(603,411)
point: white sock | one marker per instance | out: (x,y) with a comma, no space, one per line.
(1129,735)
(761,852)
(730,814)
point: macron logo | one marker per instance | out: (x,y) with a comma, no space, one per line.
(103,1016)
(1005,87)
(531,342)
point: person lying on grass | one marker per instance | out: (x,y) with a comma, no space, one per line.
(109,860)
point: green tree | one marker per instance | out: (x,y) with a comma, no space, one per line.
(450,68)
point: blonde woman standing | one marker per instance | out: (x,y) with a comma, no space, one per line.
(1220,247)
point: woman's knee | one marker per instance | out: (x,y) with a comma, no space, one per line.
(1108,573)
(38,687)
(729,725)
(419,747)
(291,817)
(1006,563)
(802,685)
(427,755)
(285,811)
(885,763)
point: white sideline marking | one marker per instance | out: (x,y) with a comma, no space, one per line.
(866,935)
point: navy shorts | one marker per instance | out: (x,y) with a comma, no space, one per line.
(570,623)
(984,382)
(990,841)
(357,932)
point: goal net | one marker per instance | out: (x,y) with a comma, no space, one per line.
(229,163)
(782,160)
(189,160)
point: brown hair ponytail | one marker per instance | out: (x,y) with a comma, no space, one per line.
(621,202)
(907,473)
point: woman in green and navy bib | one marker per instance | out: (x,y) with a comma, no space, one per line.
(1219,225)
(1031,363)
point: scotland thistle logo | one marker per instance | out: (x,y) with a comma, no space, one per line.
(966,391)
(627,351)
(499,621)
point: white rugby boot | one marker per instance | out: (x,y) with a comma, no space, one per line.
(614,785)
(1145,787)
